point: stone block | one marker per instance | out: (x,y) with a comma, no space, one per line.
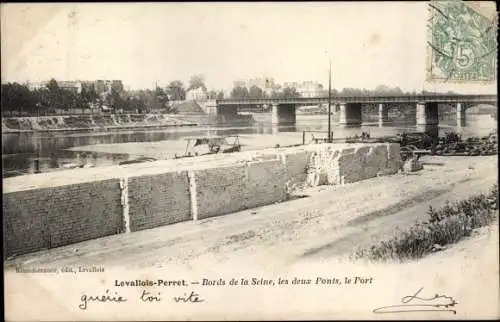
(265,183)
(296,164)
(84,211)
(43,218)
(158,200)
(375,161)
(394,161)
(351,167)
(25,222)
(219,190)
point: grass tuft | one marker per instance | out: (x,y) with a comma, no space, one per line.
(447,225)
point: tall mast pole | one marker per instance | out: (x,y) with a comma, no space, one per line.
(330,102)
(155,96)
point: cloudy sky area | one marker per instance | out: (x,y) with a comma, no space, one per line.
(369,43)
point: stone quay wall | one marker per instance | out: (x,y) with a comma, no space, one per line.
(54,209)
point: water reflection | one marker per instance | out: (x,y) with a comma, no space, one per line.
(27,152)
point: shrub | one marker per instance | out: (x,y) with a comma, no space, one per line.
(447,225)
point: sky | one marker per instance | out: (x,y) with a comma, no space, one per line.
(369,44)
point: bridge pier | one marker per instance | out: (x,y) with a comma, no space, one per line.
(283,114)
(350,114)
(274,113)
(226,113)
(461,120)
(427,113)
(430,129)
(383,114)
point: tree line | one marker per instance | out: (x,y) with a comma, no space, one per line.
(255,92)
(21,100)
(48,100)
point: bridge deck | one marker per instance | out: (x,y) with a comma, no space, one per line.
(491,99)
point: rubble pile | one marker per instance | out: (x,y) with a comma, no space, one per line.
(453,145)
(323,167)
(330,166)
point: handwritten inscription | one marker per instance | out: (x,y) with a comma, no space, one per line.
(417,303)
(104,298)
(191,298)
(149,297)
(144,297)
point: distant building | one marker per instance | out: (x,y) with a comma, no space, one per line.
(306,88)
(73,86)
(262,83)
(102,87)
(37,85)
(88,85)
(266,84)
(197,94)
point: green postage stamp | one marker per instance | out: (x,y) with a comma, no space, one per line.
(462,46)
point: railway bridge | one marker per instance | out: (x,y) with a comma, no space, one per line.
(349,107)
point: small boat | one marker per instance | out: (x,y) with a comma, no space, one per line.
(138,160)
(70,166)
(75,166)
(216,144)
(13,173)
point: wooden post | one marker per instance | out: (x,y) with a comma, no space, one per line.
(329,101)
(303,137)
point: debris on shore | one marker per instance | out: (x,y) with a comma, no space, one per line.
(451,144)
(412,165)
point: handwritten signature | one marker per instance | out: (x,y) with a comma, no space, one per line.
(145,296)
(415,303)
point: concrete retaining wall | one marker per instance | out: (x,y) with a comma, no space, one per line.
(296,165)
(25,221)
(158,200)
(143,196)
(265,183)
(219,190)
(53,217)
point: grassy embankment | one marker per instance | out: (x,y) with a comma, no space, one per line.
(445,226)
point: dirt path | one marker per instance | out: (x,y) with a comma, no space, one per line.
(330,221)
(305,238)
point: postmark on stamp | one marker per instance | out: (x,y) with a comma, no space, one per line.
(462,46)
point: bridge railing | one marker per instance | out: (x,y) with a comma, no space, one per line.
(437,98)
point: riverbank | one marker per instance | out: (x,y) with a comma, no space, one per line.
(103,122)
(304,238)
(329,222)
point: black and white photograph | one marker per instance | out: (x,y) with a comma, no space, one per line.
(250,160)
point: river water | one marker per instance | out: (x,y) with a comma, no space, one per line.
(51,149)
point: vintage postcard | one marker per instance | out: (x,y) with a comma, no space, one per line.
(250,161)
